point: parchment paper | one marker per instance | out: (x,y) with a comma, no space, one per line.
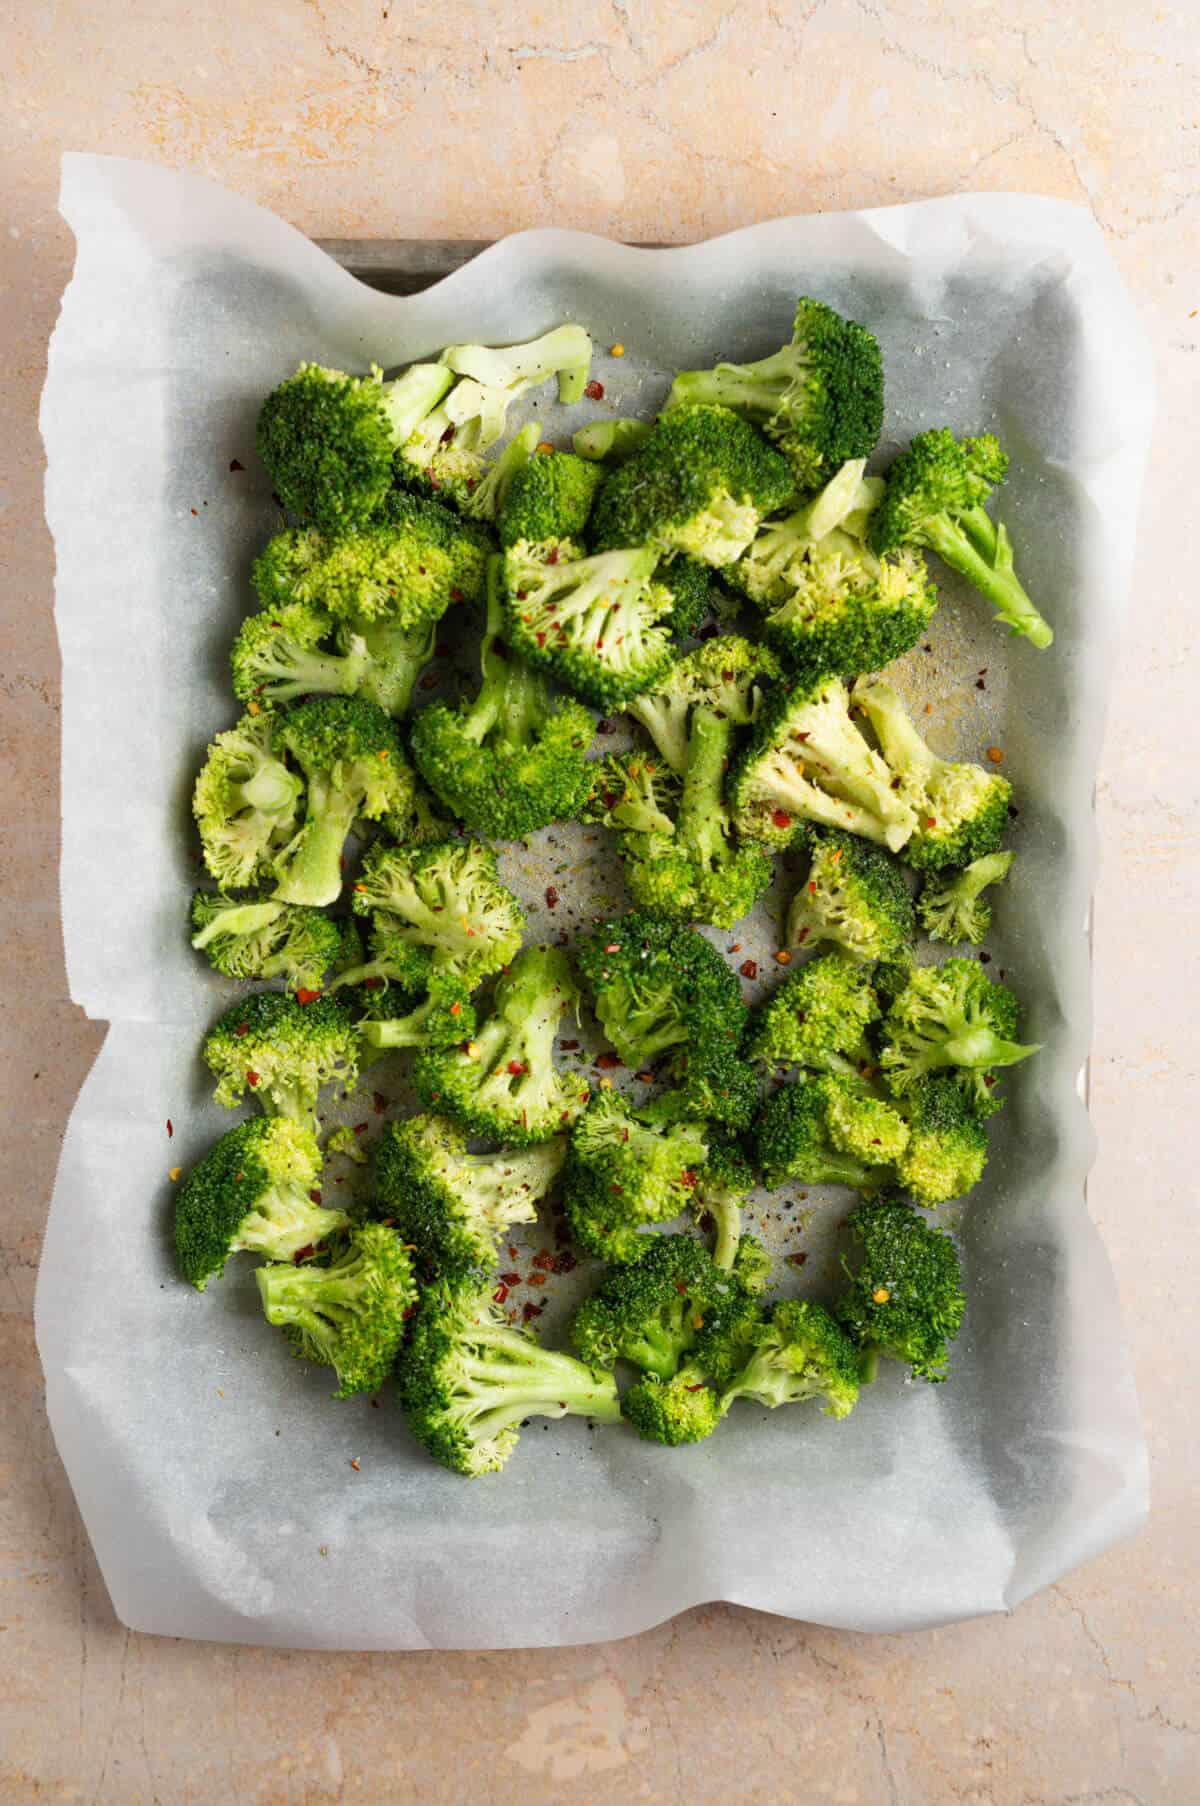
(213,1471)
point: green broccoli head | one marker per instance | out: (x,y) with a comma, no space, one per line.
(255,1190)
(723,1185)
(795,1139)
(467,1379)
(246,802)
(723,679)
(952,906)
(266,939)
(848,611)
(953,1018)
(947,1143)
(596,624)
(823,1011)
(671,880)
(504,1083)
(282,1051)
(854,899)
(439,908)
(689,584)
(548,502)
(676,1411)
(820,398)
(282,653)
(935,498)
(347,1313)
(651,1313)
(799,1352)
(452,1205)
(700,484)
(905,1297)
(622,1174)
(657,986)
(635,793)
(443,1019)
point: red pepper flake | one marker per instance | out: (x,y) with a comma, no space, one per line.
(783,957)
(252,1078)
(512,1255)
(430,680)
(645,1077)
(551,897)
(544,1259)
(377,984)
(985,959)
(236,464)
(530,1310)
(979,684)
(565,1262)
(303,996)
(360,1128)
(552,555)
(243,1028)
(170,1128)
(379,1101)
(408,1314)
(456,595)
(303,1253)
(613,947)
(749,968)
(608,1062)
(536,1279)
(509,1279)
(355,1466)
(931,821)
(989,1079)
(569,1046)
(796,1260)
(594,390)
(995,755)
(500,1295)
(606,727)
(698,1387)
(812,887)
(516,1067)
(541,640)
(687,1179)
(196,512)
(780,819)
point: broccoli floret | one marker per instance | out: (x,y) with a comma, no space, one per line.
(610,441)
(658,986)
(635,793)
(622,1174)
(800,1352)
(327,439)
(700,484)
(246,802)
(513,760)
(952,1017)
(485,498)
(652,1313)
(266,939)
(251,1191)
(960,810)
(453,1205)
(504,1082)
(854,898)
(709,1083)
(947,1145)
(283,652)
(794,1139)
(905,1300)
(548,501)
(676,1411)
(347,1313)
(564,352)
(282,1051)
(597,624)
(820,398)
(467,1379)
(355,771)
(752,1265)
(807,762)
(445,1018)
(690,587)
(935,498)
(952,907)
(722,1187)
(819,1017)
(435,909)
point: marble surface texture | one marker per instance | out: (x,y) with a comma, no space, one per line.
(666,122)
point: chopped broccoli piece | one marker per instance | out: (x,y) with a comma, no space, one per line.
(711,1082)
(818,1017)
(658,986)
(548,501)
(820,398)
(347,1313)
(435,909)
(513,760)
(355,771)
(795,1139)
(947,1144)
(807,762)
(952,906)
(800,1352)
(854,898)
(610,441)
(700,484)
(282,653)
(504,1082)
(467,1379)
(676,1411)
(246,802)
(693,595)
(652,1313)
(622,1174)
(282,1051)
(485,499)
(327,439)
(632,792)
(952,1017)
(266,939)
(722,1187)
(453,1205)
(444,1019)
(251,1191)
(905,1300)
(564,352)
(595,623)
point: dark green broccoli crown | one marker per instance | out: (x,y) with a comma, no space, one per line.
(675,882)
(265,939)
(675,1411)
(623,1173)
(347,1313)
(967,819)
(281,1050)
(951,1016)
(799,1352)
(794,1140)
(252,1190)
(947,1146)
(405,573)
(439,908)
(905,1298)
(658,985)
(651,1313)
(854,898)
(699,484)
(444,1018)
(825,1008)
(500,788)
(726,1170)
(937,476)
(327,443)
(849,611)
(548,499)
(331,733)
(688,582)
(595,623)
(715,1083)
(428,522)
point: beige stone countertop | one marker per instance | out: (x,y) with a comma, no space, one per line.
(642,120)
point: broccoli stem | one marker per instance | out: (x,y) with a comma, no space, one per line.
(247,918)
(272,789)
(397,658)
(313,866)
(511,704)
(532,1381)
(981,1049)
(994,577)
(868,1364)
(754,389)
(727,1216)
(664,716)
(396,1031)
(412,396)
(703,820)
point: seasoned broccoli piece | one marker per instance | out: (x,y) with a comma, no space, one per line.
(597,624)
(453,1205)
(818,1018)
(752,1265)
(952,1017)
(467,1379)
(504,1082)
(327,439)
(676,1411)
(610,441)
(693,596)
(347,1313)
(622,1174)
(547,504)
(710,1082)
(636,793)
(282,1051)
(254,1190)
(485,498)
(435,909)
(722,1187)
(266,939)
(795,1137)
(800,1352)
(820,398)
(807,762)
(355,771)
(935,495)
(246,802)
(445,1018)
(905,1300)
(854,898)
(564,352)
(947,1144)
(657,986)
(951,905)
(283,652)
(652,1313)
(513,760)
(960,810)
(700,484)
